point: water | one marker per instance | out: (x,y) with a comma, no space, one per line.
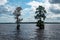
(29,32)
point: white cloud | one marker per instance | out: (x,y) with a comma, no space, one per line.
(35,4)
(28,15)
(3,2)
(10,8)
(53,15)
(47,5)
(6,18)
(55,6)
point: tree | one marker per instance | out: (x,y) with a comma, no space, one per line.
(40,16)
(17,13)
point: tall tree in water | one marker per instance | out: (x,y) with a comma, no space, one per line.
(17,13)
(40,16)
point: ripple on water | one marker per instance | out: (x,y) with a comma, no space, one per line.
(29,32)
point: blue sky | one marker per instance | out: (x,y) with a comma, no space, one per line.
(7,8)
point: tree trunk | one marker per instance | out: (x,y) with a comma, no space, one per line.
(40,24)
(18,25)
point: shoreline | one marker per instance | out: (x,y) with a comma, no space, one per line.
(33,23)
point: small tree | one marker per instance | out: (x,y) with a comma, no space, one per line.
(40,11)
(17,13)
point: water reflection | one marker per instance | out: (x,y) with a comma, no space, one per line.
(24,33)
(29,32)
(39,34)
(17,35)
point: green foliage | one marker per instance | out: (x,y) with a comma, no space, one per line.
(40,13)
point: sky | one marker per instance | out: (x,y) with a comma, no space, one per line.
(7,8)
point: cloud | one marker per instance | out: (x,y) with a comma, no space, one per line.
(10,8)
(28,15)
(6,14)
(53,11)
(52,19)
(5,10)
(54,1)
(53,16)
(6,18)
(2,9)
(35,4)
(3,2)
(56,11)
(55,8)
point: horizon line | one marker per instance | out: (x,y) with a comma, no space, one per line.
(31,23)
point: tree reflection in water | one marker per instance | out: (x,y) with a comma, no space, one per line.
(18,35)
(40,34)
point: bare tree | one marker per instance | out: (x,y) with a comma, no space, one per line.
(17,13)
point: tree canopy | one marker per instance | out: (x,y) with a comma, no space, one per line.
(40,11)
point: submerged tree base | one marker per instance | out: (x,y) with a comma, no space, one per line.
(40,24)
(18,27)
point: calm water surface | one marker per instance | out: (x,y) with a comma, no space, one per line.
(29,32)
